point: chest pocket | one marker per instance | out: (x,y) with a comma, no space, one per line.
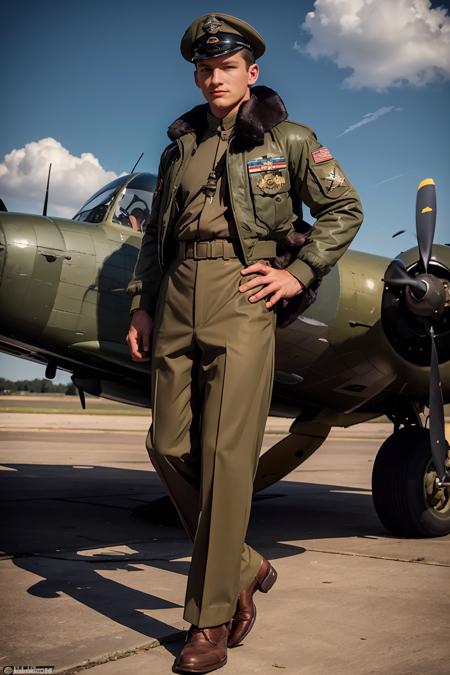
(271,199)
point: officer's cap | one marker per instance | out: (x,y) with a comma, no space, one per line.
(218,34)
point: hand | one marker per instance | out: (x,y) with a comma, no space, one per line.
(280,283)
(138,338)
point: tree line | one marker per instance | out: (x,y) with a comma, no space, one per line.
(36,386)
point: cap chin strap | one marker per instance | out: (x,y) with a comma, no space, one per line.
(196,59)
(226,44)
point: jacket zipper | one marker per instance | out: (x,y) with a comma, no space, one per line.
(230,193)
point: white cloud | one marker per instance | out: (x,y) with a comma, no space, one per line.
(370,117)
(23,175)
(384,42)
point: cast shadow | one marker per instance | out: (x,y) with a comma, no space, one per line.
(66,524)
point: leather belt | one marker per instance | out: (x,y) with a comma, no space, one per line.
(211,248)
(223,248)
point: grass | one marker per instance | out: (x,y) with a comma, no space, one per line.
(55,404)
(69,405)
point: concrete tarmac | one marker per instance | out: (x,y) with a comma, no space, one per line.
(94,578)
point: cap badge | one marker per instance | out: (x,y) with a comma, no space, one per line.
(212,24)
(213,40)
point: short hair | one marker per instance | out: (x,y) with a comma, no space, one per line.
(248,57)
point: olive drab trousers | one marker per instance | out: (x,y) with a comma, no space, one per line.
(212,377)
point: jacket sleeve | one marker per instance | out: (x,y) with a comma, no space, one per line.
(147,274)
(321,184)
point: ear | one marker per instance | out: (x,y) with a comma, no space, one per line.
(253,73)
(196,77)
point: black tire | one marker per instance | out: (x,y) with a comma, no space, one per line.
(401,470)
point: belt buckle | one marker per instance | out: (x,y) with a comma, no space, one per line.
(206,245)
(225,255)
(194,249)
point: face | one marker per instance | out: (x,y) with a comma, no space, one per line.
(225,82)
(136,220)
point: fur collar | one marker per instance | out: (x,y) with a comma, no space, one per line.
(260,113)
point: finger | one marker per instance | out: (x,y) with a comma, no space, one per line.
(134,347)
(274,299)
(263,293)
(256,267)
(146,342)
(257,281)
(141,358)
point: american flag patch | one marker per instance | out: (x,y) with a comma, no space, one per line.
(266,164)
(321,155)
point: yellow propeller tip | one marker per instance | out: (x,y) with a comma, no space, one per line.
(426,181)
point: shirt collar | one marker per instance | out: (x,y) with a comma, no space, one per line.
(218,125)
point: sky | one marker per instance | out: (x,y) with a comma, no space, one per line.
(91,84)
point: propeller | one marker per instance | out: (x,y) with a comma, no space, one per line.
(425,297)
(425,219)
(439,445)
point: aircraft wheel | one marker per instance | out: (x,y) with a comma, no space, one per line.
(405,495)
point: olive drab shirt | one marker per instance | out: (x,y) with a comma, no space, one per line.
(267,183)
(203,216)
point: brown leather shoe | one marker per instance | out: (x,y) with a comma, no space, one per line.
(205,650)
(245,614)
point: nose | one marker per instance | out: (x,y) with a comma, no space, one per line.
(216,77)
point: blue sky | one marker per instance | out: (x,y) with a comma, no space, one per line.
(106,78)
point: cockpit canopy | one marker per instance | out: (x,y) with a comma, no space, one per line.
(125,201)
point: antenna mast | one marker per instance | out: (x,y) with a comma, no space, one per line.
(140,157)
(44,212)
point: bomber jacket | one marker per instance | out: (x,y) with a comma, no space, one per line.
(273,165)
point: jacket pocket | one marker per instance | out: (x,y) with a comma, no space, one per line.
(271,198)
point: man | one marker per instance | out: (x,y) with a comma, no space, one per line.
(230,186)
(137,219)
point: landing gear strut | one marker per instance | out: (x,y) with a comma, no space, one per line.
(407,498)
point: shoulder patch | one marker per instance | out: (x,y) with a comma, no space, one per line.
(331,179)
(321,155)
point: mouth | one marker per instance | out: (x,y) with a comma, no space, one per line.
(218,93)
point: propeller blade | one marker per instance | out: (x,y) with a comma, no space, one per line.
(396,234)
(439,445)
(425,219)
(397,275)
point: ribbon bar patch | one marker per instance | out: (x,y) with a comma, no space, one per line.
(321,155)
(266,164)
